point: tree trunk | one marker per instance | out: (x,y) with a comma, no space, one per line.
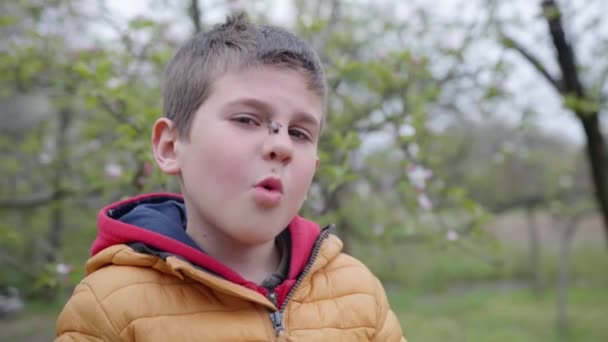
(570,85)
(598,160)
(567,235)
(60,168)
(345,236)
(535,270)
(55,233)
(333,203)
(344,230)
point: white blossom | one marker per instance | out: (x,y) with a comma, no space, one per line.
(113,170)
(566,181)
(45,158)
(407,130)
(378,229)
(451,235)
(418,176)
(63,268)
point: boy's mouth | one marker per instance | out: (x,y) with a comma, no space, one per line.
(268,193)
(271,184)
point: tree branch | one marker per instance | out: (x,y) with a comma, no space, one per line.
(32,201)
(453,72)
(565,54)
(116,113)
(322,38)
(511,43)
(17,265)
(195,15)
(520,202)
(42,199)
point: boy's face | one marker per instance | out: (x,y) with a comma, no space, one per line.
(239,177)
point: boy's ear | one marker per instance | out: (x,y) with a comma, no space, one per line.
(164,138)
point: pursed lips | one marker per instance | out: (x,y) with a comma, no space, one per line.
(268,192)
(271,184)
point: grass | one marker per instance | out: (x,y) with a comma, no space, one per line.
(446,293)
(487,315)
(37,323)
(439,268)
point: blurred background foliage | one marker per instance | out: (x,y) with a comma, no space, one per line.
(464,158)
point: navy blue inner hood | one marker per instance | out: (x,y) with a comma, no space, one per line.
(167,218)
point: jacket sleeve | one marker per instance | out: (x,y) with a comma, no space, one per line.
(83,318)
(388,327)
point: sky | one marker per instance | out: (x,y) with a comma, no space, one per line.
(525,82)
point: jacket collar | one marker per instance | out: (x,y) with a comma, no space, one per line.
(124,255)
(112,232)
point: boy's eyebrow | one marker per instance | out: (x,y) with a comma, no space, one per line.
(267,109)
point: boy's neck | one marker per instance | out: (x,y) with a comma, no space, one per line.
(254,263)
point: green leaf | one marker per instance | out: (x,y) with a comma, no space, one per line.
(141,23)
(6,20)
(82,69)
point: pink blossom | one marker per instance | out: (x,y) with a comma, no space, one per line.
(147,169)
(381,54)
(141,181)
(424,201)
(418,176)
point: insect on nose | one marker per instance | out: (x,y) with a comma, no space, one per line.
(277,147)
(274,127)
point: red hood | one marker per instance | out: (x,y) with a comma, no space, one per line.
(111,231)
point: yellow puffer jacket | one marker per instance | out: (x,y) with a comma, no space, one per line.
(134,296)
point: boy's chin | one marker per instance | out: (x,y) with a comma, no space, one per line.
(255,238)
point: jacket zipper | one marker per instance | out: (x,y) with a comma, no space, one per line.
(277,316)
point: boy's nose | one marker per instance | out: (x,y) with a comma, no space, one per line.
(278,146)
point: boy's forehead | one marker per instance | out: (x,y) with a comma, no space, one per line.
(255,70)
(255,85)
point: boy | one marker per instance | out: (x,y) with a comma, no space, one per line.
(229,259)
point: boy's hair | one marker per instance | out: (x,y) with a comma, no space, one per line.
(234,45)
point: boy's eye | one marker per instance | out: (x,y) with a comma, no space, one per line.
(300,134)
(247,120)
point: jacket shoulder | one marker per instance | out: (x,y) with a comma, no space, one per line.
(107,281)
(127,293)
(104,302)
(351,277)
(346,292)
(342,268)
(348,271)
